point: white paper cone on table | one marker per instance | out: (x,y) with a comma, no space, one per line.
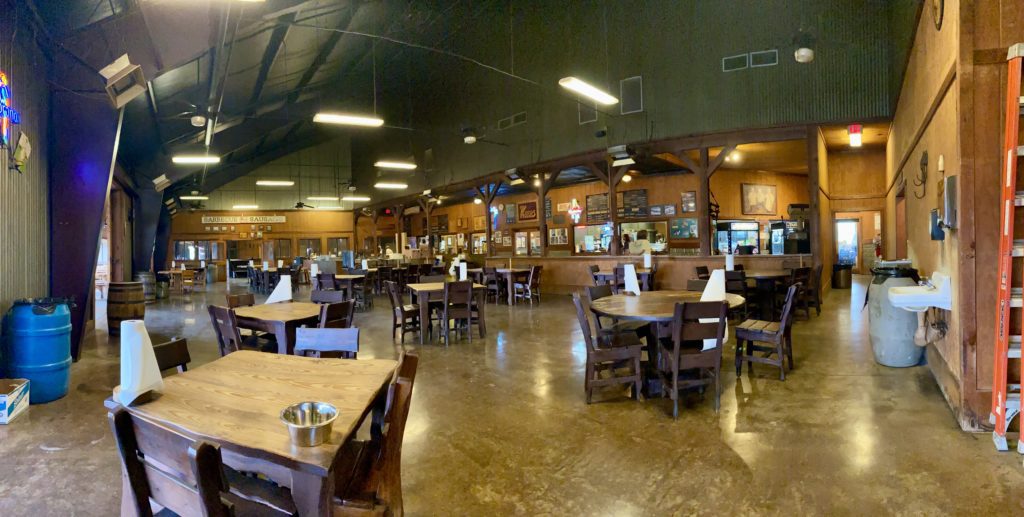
(366,264)
(714,291)
(251,263)
(139,371)
(202,263)
(647,261)
(730,262)
(462,271)
(632,284)
(283,291)
(266,265)
(280,263)
(174,265)
(182,266)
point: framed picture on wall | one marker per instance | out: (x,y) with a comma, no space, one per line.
(558,236)
(669,209)
(527,211)
(207,228)
(480,222)
(232,228)
(757,199)
(268,228)
(510,214)
(688,202)
(243,235)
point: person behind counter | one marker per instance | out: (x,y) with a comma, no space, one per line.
(641,245)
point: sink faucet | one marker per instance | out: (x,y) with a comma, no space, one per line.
(926,282)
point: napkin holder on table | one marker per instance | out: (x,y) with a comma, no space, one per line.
(280,263)
(283,291)
(140,374)
(366,264)
(714,291)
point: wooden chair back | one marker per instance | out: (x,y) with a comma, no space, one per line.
(226,327)
(327,342)
(686,324)
(393,295)
(738,267)
(696,284)
(323,296)
(703,273)
(583,316)
(241,300)
(168,468)
(188,276)
(736,282)
(787,309)
(172,354)
(596,292)
(337,315)
(535,273)
(427,279)
(458,299)
(389,467)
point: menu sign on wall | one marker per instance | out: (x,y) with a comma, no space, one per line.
(597,208)
(632,203)
(243,219)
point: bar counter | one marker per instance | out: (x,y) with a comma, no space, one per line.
(563,275)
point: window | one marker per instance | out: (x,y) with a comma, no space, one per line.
(283,249)
(335,245)
(309,247)
(196,250)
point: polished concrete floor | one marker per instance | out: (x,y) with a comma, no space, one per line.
(499,426)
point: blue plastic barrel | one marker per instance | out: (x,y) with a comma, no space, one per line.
(37,347)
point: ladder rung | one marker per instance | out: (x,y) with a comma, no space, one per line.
(1018,198)
(1018,248)
(1014,350)
(1016,297)
(1020,150)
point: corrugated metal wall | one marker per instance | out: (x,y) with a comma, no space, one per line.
(24,223)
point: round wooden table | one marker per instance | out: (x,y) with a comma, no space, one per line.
(765,281)
(654,306)
(767,274)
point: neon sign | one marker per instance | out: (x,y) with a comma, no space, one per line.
(8,115)
(575,210)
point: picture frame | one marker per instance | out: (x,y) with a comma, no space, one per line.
(688,202)
(510,214)
(558,236)
(527,211)
(207,228)
(480,222)
(669,209)
(242,235)
(562,207)
(268,227)
(756,199)
(683,228)
(232,228)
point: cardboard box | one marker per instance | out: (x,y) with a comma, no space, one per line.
(13,398)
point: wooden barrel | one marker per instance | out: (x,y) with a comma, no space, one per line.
(125,301)
(148,280)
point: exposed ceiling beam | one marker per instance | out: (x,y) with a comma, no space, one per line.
(270,55)
(322,54)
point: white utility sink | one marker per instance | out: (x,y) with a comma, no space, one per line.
(919,298)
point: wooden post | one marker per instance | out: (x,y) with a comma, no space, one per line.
(487,193)
(376,238)
(704,203)
(542,193)
(355,229)
(614,177)
(814,229)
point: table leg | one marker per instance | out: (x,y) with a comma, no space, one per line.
(511,290)
(481,302)
(312,494)
(424,301)
(281,333)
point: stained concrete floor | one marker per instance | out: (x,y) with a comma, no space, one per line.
(499,427)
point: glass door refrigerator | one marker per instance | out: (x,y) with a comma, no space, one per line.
(738,237)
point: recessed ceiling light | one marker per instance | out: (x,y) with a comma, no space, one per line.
(390,185)
(356,199)
(536,181)
(478,201)
(322,198)
(385,164)
(193,198)
(587,90)
(627,178)
(195,159)
(469,139)
(275,183)
(346,119)
(245,207)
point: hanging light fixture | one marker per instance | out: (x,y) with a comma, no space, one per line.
(275,183)
(356,199)
(587,90)
(391,185)
(195,159)
(346,119)
(393,164)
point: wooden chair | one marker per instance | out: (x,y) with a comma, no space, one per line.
(802,276)
(359,291)
(638,328)
(383,275)
(738,267)
(188,280)
(321,296)
(703,273)
(778,334)
(736,283)
(812,293)
(373,485)
(529,289)
(240,300)
(684,350)
(695,284)
(225,326)
(342,343)
(608,352)
(199,277)
(594,270)
(619,283)
(493,283)
(337,315)
(403,316)
(172,354)
(458,307)
(169,470)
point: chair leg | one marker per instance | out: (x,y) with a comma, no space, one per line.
(739,357)
(639,377)
(780,350)
(789,350)
(718,388)
(587,379)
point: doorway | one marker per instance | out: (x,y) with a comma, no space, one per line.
(857,237)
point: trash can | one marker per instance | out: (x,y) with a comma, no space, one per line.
(36,346)
(842,276)
(892,328)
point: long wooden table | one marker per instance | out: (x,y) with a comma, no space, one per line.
(764,281)
(236,402)
(424,293)
(281,319)
(506,273)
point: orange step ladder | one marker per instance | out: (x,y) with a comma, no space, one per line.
(1006,394)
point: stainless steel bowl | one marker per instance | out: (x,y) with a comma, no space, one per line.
(309,423)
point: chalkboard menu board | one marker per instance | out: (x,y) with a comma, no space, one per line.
(439,224)
(633,203)
(597,208)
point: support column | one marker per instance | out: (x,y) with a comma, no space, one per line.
(703,203)
(428,208)
(614,177)
(487,193)
(542,193)
(814,226)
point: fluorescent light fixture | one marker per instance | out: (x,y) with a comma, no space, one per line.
(478,201)
(627,178)
(355,199)
(587,90)
(193,198)
(405,166)
(322,198)
(245,207)
(195,159)
(855,132)
(346,119)
(623,161)
(391,185)
(517,181)
(274,183)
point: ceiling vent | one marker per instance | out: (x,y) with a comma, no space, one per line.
(631,95)
(764,58)
(735,63)
(513,121)
(587,113)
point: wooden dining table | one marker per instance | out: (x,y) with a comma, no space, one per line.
(643,275)
(764,282)
(509,274)
(424,293)
(281,319)
(347,280)
(236,402)
(652,306)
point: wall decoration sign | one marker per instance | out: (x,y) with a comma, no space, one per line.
(597,208)
(558,219)
(683,228)
(575,211)
(633,203)
(758,199)
(480,222)
(668,209)
(527,211)
(688,202)
(510,213)
(8,115)
(547,208)
(563,207)
(243,219)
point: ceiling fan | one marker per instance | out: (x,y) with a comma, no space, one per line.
(471,135)
(195,116)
